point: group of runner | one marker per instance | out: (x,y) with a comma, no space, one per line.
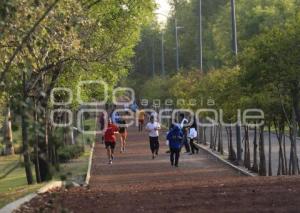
(116,126)
(179,135)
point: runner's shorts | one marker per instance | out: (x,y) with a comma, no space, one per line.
(108,144)
(141,121)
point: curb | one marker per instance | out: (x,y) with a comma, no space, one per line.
(88,174)
(18,203)
(51,185)
(240,169)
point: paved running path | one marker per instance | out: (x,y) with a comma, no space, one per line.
(136,183)
(136,168)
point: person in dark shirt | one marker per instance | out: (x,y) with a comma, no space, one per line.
(123,133)
(174,137)
(184,129)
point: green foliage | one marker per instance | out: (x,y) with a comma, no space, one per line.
(69,152)
(253,18)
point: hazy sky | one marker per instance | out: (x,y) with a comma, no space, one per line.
(164,8)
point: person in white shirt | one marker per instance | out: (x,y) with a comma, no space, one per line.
(154,115)
(153,128)
(193,136)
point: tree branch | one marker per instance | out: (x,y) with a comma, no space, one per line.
(24,41)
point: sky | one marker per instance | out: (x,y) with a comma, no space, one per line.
(164,8)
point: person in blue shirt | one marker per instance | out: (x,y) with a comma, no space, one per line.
(115,116)
(134,107)
(174,137)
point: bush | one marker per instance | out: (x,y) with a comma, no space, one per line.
(89,141)
(87,127)
(2,146)
(18,149)
(15,127)
(69,152)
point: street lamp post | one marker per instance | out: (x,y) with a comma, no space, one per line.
(153,58)
(162,55)
(234,28)
(177,51)
(162,48)
(201,35)
(177,44)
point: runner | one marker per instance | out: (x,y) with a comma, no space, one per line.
(115,117)
(102,125)
(154,115)
(193,136)
(153,128)
(134,107)
(123,133)
(126,108)
(110,140)
(175,141)
(184,129)
(141,117)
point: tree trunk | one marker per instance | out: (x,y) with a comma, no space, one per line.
(36,146)
(8,134)
(284,155)
(247,160)
(204,136)
(255,164)
(45,153)
(279,128)
(270,151)
(216,137)
(262,158)
(232,154)
(26,153)
(220,143)
(294,166)
(211,139)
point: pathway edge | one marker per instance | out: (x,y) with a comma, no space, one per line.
(19,202)
(242,170)
(52,185)
(88,174)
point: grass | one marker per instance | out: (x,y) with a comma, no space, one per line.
(14,185)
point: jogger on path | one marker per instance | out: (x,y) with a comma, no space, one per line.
(153,128)
(184,129)
(123,133)
(110,140)
(193,136)
(141,117)
(175,141)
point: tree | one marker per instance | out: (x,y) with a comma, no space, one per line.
(45,43)
(271,61)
